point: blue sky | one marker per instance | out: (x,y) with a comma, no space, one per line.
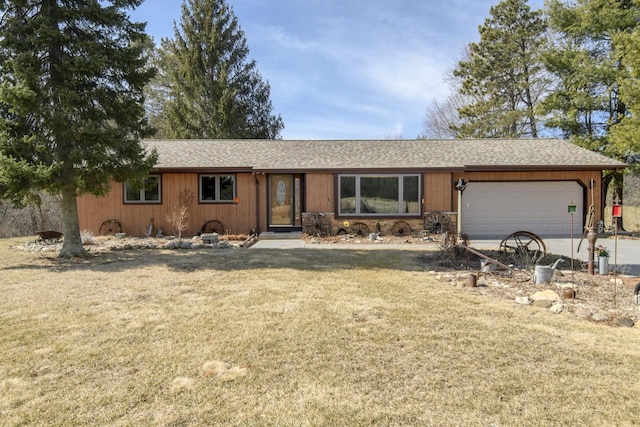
(348,69)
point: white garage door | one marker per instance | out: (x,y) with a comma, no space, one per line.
(497,209)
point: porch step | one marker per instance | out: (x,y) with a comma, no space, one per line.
(270,235)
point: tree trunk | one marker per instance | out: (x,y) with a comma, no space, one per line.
(72,244)
(615,182)
(618,188)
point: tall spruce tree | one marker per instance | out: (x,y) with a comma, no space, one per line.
(625,134)
(71,105)
(592,67)
(213,91)
(503,74)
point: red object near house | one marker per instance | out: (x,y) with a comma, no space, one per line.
(616,211)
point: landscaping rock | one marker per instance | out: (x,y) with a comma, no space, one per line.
(546,295)
(523,300)
(601,316)
(583,312)
(557,308)
(543,303)
(625,321)
(210,237)
(179,244)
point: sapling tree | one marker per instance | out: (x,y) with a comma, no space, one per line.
(180,213)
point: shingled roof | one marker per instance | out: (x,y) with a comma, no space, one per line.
(342,155)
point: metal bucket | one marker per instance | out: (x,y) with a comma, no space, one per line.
(543,274)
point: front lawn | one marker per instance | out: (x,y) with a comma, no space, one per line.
(300,337)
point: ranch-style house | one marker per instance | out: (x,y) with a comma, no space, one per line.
(483,187)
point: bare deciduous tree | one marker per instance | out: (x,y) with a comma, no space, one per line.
(46,215)
(442,118)
(180,213)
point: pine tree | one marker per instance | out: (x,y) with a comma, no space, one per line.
(593,72)
(503,74)
(624,136)
(586,102)
(213,91)
(71,105)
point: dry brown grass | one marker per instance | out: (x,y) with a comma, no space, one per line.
(304,337)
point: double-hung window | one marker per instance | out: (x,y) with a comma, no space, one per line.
(149,192)
(379,195)
(217,188)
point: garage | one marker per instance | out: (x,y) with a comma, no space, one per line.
(497,209)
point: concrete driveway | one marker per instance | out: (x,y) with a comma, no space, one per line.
(627,256)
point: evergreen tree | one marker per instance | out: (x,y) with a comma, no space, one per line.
(624,136)
(503,74)
(212,90)
(593,72)
(71,105)
(586,102)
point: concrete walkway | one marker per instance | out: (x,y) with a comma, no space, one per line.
(628,250)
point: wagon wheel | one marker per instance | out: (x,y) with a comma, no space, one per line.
(438,223)
(212,226)
(317,225)
(359,229)
(401,228)
(110,227)
(524,244)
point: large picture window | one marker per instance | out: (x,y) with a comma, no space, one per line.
(149,192)
(217,188)
(379,194)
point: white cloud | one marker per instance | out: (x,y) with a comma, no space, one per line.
(406,76)
(350,69)
(286,40)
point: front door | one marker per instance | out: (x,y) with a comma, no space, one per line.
(285,200)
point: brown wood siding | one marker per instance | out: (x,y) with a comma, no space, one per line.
(319,196)
(236,218)
(437,192)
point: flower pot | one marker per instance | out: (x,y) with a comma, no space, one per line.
(603,264)
(569,293)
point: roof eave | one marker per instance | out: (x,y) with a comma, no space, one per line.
(359,170)
(225,169)
(503,168)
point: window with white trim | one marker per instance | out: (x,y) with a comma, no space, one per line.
(379,195)
(149,192)
(217,188)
